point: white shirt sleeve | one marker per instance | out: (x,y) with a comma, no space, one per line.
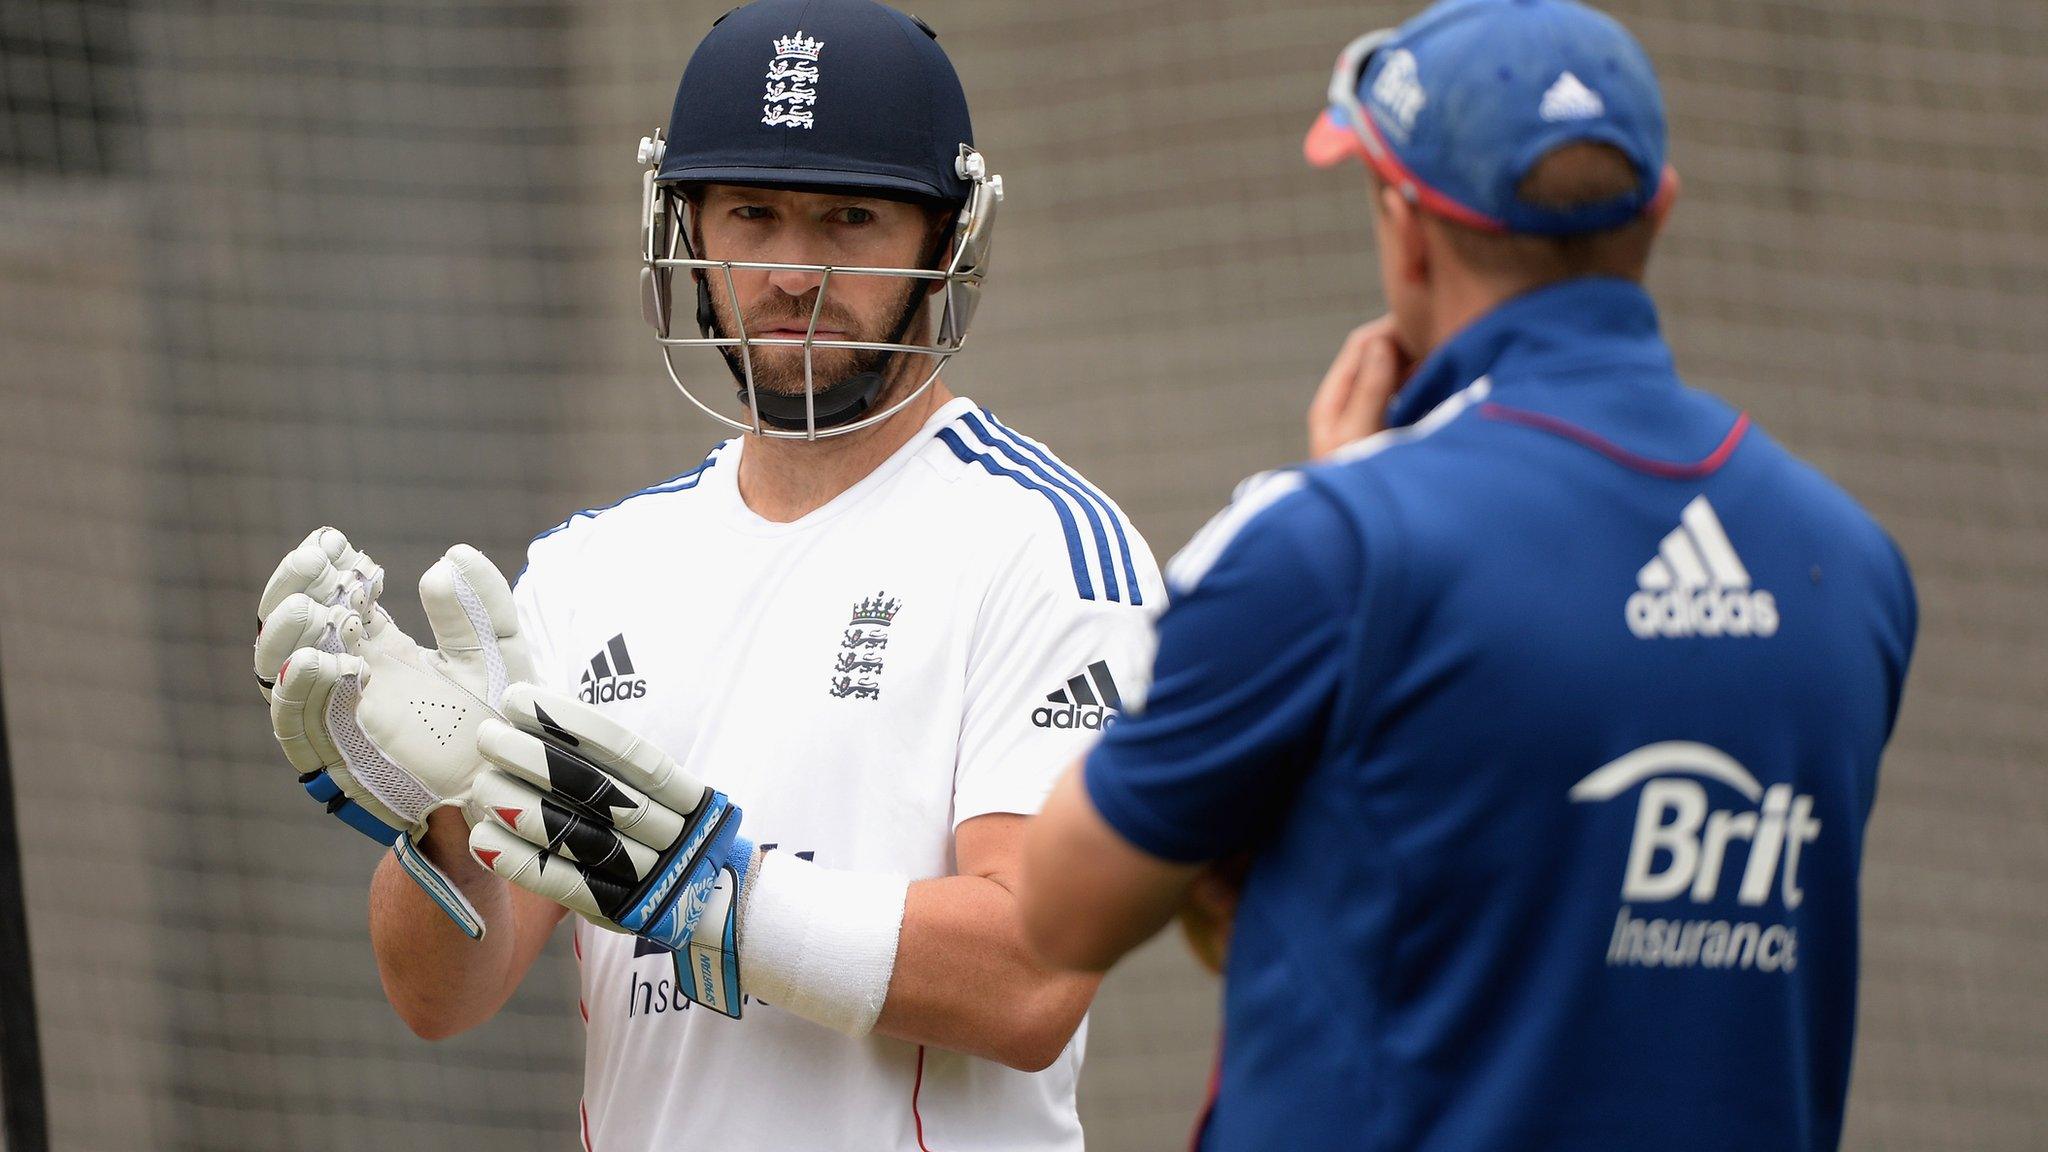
(533,625)
(1046,670)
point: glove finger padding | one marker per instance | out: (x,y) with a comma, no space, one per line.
(476,627)
(563,774)
(545,823)
(326,567)
(572,725)
(537,870)
(328,571)
(302,622)
(298,706)
(612,792)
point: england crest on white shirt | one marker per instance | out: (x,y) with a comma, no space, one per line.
(861,649)
(792,93)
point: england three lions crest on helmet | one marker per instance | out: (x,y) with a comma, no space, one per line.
(791,94)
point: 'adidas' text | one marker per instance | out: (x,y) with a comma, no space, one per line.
(1697,586)
(1089,701)
(610,675)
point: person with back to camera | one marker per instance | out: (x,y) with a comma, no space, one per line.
(1545,705)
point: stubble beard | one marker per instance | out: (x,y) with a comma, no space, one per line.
(780,369)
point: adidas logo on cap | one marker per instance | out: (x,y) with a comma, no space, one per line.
(1570,99)
(610,675)
(1089,701)
(1696,585)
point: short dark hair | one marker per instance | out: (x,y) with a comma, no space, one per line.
(1574,176)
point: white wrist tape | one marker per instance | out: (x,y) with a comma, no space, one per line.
(820,943)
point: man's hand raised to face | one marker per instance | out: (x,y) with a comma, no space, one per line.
(1351,403)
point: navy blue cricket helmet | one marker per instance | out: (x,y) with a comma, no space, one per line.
(817,94)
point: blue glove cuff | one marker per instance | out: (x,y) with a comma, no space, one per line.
(669,910)
(320,786)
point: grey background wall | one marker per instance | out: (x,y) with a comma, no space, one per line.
(268,265)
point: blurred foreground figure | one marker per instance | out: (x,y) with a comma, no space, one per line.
(877,622)
(1549,711)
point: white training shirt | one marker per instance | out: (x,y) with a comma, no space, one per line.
(938,643)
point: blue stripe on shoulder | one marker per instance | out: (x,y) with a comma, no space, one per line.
(1109,510)
(679,483)
(1074,549)
(1014,451)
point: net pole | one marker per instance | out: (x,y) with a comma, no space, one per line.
(26,1120)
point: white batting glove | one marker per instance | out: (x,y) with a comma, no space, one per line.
(383,731)
(313,587)
(582,810)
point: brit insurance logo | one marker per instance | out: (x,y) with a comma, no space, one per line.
(610,675)
(1088,701)
(1397,92)
(791,97)
(1697,586)
(858,669)
(1685,851)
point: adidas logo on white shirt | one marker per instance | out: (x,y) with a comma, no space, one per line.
(1570,99)
(610,675)
(1089,700)
(1696,585)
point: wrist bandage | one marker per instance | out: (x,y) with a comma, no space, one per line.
(819,942)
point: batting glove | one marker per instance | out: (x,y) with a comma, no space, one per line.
(383,732)
(581,810)
(314,587)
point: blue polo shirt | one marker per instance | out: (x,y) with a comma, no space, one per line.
(1551,718)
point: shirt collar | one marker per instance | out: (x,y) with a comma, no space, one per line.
(1592,317)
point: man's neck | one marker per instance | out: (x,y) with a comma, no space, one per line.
(785,480)
(1466,298)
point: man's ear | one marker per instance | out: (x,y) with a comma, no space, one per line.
(1667,196)
(1402,228)
(941,233)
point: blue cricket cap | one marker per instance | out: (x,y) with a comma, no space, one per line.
(820,93)
(1457,105)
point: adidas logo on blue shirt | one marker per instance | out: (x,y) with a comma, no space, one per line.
(1089,700)
(610,675)
(1697,586)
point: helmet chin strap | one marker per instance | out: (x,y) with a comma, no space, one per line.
(830,406)
(842,403)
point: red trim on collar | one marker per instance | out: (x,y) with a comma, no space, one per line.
(1665,469)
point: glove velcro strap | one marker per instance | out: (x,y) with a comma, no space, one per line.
(708,967)
(438,887)
(320,786)
(670,905)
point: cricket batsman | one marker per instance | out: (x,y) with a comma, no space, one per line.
(771,728)
(1549,713)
